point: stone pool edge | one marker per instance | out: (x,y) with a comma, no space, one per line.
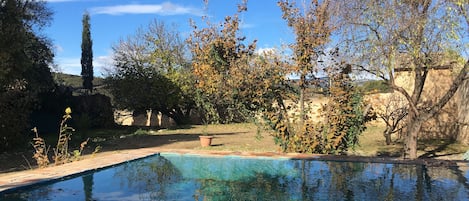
(15,180)
(20,179)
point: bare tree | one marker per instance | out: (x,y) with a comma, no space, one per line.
(393,112)
(414,36)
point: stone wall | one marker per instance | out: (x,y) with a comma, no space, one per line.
(128,118)
(462,98)
(312,105)
(445,124)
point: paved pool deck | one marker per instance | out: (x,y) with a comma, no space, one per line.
(28,177)
(17,179)
(89,163)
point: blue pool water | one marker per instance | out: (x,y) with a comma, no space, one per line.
(193,177)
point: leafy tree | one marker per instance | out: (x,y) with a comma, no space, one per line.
(345,114)
(342,119)
(150,73)
(145,89)
(263,82)
(233,81)
(86,54)
(169,55)
(414,36)
(219,58)
(312,28)
(24,70)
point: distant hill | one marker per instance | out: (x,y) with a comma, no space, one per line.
(373,86)
(321,85)
(75,83)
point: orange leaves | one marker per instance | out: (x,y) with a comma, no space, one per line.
(222,68)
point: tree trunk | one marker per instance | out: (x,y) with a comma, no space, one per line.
(413,129)
(179,117)
(387,135)
(302,99)
(302,106)
(148,122)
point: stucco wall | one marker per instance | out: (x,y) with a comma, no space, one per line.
(462,98)
(444,124)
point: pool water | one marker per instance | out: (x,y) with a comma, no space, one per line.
(170,176)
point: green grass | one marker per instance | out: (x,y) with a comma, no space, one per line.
(372,143)
(244,137)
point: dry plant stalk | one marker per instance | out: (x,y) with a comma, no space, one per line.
(61,154)
(40,150)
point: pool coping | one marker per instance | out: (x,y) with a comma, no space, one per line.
(20,179)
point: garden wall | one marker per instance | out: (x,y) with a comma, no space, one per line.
(444,125)
(462,98)
(128,118)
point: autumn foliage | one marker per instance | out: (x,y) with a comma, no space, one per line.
(224,72)
(343,119)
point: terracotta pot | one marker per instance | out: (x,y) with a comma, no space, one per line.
(205,141)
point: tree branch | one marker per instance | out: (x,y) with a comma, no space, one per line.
(374,30)
(401,90)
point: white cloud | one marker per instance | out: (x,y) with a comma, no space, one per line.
(73,65)
(68,65)
(263,51)
(101,64)
(164,9)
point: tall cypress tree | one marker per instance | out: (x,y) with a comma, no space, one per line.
(86,54)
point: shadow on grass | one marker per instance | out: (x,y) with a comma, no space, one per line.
(145,139)
(431,148)
(389,153)
(393,150)
(437,148)
(114,139)
(181,127)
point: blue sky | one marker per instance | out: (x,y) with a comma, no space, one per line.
(115,19)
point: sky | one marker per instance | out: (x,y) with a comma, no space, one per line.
(112,20)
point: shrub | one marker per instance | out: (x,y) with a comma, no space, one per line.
(343,120)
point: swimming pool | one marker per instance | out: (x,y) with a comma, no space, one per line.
(172,176)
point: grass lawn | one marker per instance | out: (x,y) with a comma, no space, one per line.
(246,137)
(243,137)
(372,143)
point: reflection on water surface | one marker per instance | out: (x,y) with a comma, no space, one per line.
(192,177)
